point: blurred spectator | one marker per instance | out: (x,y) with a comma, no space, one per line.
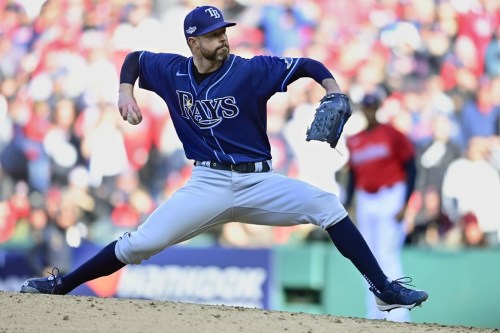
(284,159)
(427,220)
(105,147)
(39,162)
(23,158)
(78,189)
(39,220)
(61,142)
(471,187)
(285,25)
(480,115)
(13,213)
(6,123)
(478,20)
(492,55)
(472,234)
(13,160)
(141,141)
(436,98)
(171,167)
(494,156)
(131,203)
(54,243)
(7,222)
(407,65)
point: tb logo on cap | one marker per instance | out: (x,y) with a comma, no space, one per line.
(213,12)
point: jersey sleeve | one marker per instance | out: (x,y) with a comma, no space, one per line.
(155,69)
(272,74)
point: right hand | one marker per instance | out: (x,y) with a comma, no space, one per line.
(127,105)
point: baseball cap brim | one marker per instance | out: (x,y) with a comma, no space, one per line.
(215,27)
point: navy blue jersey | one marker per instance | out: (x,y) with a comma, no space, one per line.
(224,118)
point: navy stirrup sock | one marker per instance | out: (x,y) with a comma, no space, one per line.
(352,245)
(103,263)
(344,235)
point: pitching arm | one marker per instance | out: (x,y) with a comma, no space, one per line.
(129,110)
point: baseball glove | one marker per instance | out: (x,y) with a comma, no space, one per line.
(330,118)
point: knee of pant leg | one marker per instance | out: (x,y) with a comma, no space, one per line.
(329,210)
(333,219)
(132,248)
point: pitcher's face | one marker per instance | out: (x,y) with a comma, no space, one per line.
(214,46)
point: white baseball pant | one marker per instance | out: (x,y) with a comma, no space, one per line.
(213,197)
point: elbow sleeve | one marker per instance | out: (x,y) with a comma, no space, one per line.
(130,68)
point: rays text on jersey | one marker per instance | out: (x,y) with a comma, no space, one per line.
(207,113)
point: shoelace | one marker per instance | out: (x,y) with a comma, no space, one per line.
(401,283)
(53,279)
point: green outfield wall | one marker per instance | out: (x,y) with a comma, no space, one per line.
(463,285)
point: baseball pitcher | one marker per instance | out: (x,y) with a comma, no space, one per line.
(217,102)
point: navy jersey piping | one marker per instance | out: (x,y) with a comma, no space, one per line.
(282,88)
(191,74)
(140,56)
(230,66)
(211,130)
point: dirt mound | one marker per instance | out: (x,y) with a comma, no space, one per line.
(47,313)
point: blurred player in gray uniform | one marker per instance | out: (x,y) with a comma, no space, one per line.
(217,102)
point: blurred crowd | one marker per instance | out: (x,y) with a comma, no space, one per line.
(72,170)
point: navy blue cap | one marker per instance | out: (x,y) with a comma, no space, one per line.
(202,20)
(371,101)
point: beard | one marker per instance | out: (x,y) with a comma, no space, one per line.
(219,54)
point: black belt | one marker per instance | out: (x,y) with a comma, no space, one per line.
(249,167)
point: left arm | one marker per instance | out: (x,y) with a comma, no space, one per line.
(318,72)
(334,109)
(331,86)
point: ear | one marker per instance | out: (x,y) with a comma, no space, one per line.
(192,41)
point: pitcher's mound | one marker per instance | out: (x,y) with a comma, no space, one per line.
(48,313)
